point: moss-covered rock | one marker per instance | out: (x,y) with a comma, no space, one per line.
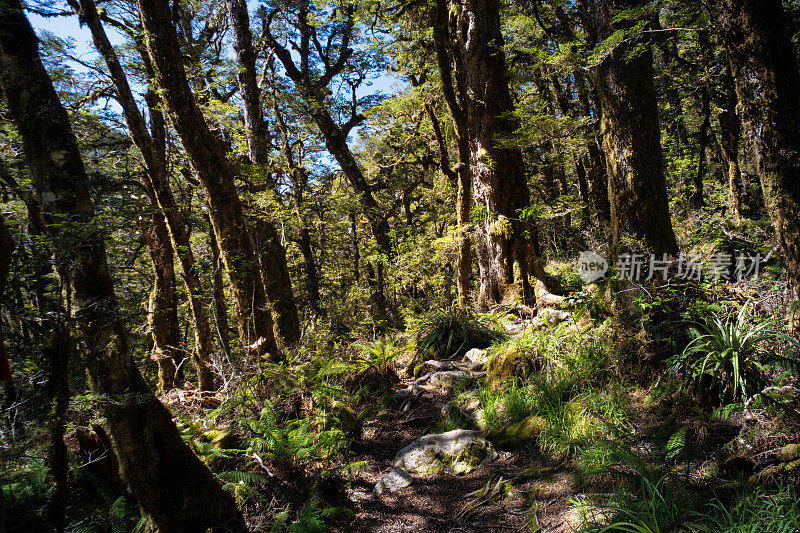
(789,453)
(504,366)
(455,452)
(224,439)
(519,433)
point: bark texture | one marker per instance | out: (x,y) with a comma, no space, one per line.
(730,129)
(272,255)
(156,180)
(764,67)
(162,308)
(173,488)
(207,154)
(451,73)
(500,189)
(630,129)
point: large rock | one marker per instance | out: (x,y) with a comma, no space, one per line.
(393,481)
(549,317)
(446,378)
(456,452)
(475,359)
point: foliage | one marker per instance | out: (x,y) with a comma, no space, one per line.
(448,333)
(726,357)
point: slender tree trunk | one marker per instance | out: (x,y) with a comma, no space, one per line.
(356,253)
(6,249)
(730,126)
(595,163)
(451,75)
(696,199)
(209,161)
(172,486)
(220,305)
(272,256)
(312,278)
(631,136)
(255,125)
(163,303)
(152,145)
(764,67)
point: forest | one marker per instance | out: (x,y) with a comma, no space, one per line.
(399,265)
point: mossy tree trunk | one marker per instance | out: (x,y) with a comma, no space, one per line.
(730,129)
(208,158)
(162,308)
(500,189)
(172,486)
(451,74)
(277,281)
(764,67)
(630,128)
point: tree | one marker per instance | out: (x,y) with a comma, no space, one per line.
(207,154)
(152,143)
(6,249)
(500,189)
(312,88)
(764,68)
(158,467)
(629,121)
(276,273)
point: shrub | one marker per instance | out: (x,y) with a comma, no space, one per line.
(451,332)
(725,358)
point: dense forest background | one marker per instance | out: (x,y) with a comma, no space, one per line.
(430,265)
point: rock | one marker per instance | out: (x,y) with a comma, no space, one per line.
(456,452)
(440,365)
(446,378)
(520,433)
(505,366)
(475,359)
(393,481)
(789,453)
(471,405)
(550,317)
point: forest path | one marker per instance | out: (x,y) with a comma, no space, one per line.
(437,502)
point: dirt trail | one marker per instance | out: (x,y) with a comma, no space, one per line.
(437,503)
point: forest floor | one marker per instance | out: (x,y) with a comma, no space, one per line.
(440,502)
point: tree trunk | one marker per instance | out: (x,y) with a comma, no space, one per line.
(272,256)
(631,136)
(312,278)
(6,249)
(255,125)
(730,126)
(162,308)
(208,158)
(156,180)
(764,67)
(696,200)
(220,305)
(452,82)
(356,253)
(500,188)
(172,486)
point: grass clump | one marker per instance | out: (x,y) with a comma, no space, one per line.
(449,333)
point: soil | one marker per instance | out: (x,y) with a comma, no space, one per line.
(437,503)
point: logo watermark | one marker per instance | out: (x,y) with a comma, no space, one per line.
(685,267)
